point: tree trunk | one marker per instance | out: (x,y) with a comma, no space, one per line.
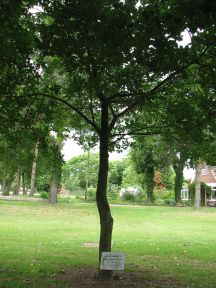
(6,186)
(53,193)
(87,174)
(150,184)
(205,197)
(5,175)
(33,173)
(23,184)
(179,178)
(197,200)
(17,186)
(3,186)
(106,220)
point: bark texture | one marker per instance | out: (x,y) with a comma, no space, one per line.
(18,183)
(197,200)
(8,175)
(53,193)
(33,173)
(106,220)
(6,185)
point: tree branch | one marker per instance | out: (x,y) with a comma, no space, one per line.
(156,88)
(72,107)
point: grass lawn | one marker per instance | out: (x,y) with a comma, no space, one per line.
(38,241)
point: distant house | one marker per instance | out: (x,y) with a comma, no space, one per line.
(208,176)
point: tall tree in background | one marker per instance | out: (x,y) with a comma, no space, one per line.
(150,154)
(33,172)
(74,172)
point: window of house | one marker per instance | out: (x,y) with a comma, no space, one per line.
(214,192)
(184,193)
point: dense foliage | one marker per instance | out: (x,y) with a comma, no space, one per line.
(105,61)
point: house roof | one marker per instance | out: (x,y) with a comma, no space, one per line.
(208,174)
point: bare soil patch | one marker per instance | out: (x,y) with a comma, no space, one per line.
(83,277)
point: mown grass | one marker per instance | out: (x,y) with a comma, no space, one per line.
(38,241)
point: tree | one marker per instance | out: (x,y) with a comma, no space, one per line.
(149,155)
(33,173)
(120,57)
(74,172)
(49,167)
(116,170)
(197,199)
(130,176)
(55,168)
(15,157)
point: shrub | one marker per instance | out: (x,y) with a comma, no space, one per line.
(160,202)
(169,201)
(113,191)
(92,193)
(43,183)
(44,195)
(65,199)
(141,197)
(128,197)
(164,197)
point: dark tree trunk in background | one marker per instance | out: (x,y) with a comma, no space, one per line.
(6,185)
(150,183)
(106,220)
(53,194)
(17,186)
(87,174)
(197,199)
(179,177)
(23,184)
(33,173)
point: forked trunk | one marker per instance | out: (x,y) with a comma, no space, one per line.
(106,220)
(197,200)
(33,173)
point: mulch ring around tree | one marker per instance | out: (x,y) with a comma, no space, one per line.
(86,276)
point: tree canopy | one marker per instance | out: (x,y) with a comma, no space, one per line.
(107,60)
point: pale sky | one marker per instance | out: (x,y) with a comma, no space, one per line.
(71,149)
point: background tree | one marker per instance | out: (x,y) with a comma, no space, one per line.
(49,167)
(150,154)
(74,172)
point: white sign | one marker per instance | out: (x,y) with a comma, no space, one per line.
(112,261)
